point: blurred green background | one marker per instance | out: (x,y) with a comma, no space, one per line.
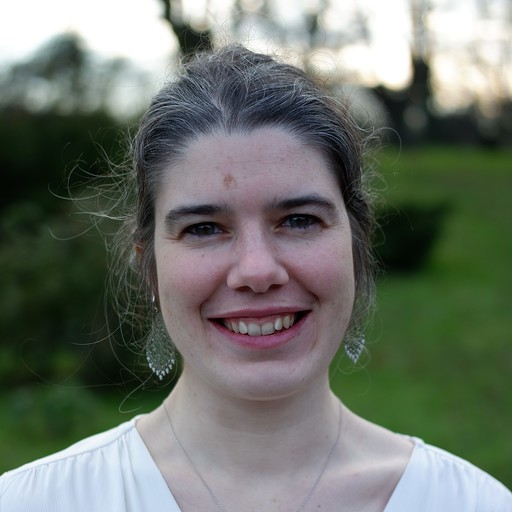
(440,358)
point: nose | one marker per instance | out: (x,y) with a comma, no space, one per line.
(256,265)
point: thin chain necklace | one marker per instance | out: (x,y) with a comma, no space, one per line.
(216,499)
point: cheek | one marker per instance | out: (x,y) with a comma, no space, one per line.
(332,271)
(185,280)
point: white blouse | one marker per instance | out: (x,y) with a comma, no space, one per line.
(113,471)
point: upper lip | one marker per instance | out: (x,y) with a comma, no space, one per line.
(259,312)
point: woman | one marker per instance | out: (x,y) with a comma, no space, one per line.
(252,239)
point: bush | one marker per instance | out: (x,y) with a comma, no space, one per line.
(54,318)
(407,235)
(41,413)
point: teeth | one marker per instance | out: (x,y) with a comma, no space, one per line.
(254,329)
(267,328)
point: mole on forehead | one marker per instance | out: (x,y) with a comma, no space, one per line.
(229,181)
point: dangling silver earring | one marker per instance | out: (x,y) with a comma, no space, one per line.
(160,353)
(354,343)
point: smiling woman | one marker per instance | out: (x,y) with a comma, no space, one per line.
(246,259)
(251,238)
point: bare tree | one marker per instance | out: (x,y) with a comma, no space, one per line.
(326,29)
(63,76)
(493,58)
(190,39)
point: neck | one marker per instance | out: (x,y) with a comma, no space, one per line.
(254,435)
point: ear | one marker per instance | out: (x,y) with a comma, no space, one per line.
(138,252)
(138,249)
(136,256)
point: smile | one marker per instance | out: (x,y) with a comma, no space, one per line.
(265,328)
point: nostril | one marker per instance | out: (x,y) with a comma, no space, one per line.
(257,276)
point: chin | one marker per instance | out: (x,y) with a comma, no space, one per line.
(274,380)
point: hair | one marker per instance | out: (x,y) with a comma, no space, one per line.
(233,90)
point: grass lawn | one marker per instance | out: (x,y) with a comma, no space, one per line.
(440,364)
(441,352)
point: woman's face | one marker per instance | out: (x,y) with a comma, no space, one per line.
(254,263)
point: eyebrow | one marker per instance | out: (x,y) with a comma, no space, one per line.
(179,214)
(182,212)
(300,201)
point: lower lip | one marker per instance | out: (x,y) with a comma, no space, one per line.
(269,341)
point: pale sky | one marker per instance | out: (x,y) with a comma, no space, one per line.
(129,28)
(135,29)
(141,34)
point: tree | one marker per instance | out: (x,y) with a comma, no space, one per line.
(52,122)
(62,76)
(324,32)
(190,39)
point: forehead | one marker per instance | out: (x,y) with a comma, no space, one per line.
(264,161)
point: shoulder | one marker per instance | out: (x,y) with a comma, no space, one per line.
(438,480)
(64,480)
(89,448)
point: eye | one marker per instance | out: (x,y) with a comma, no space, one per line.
(203,230)
(300,221)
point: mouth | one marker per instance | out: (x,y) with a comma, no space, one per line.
(263,327)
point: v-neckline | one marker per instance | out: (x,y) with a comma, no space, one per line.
(149,462)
